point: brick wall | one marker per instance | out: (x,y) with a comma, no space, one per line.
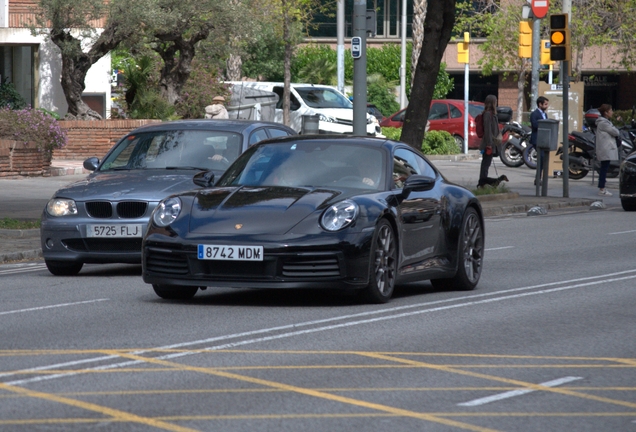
(19,159)
(94,138)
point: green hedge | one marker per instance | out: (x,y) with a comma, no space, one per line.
(435,142)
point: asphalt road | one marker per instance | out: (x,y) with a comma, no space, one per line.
(544,343)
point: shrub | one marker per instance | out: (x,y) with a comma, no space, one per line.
(435,142)
(32,125)
(9,96)
(439,143)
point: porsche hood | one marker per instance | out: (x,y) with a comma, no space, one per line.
(221,210)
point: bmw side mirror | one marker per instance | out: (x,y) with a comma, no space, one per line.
(417,183)
(91,163)
(204,179)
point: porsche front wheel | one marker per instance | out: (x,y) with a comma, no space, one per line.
(382,265)
(470,255)
(174,292)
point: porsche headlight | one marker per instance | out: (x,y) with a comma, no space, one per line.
(167,211)
(61,207)
(327,118)
(339,215)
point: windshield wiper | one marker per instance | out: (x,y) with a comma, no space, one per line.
(187,167)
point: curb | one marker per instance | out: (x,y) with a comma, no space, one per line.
(29,233)
(22,255)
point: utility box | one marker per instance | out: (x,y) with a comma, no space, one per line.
(548,134)
(311,124)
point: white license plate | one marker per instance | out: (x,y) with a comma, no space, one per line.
(114,231)
(230,253)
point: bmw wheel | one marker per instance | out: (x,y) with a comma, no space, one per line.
(470,255)
(382,265)
(63,268)
(174,292)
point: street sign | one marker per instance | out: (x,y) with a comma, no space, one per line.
(356,47)
(540,8)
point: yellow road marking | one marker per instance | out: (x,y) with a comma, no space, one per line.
(308,392)
(504,380)
(115,413)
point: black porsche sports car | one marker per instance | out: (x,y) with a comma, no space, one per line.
(627,182)
(317,212)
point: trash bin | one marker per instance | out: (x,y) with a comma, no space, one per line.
(548,134)
(310,124)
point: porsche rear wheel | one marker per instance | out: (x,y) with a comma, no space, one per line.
(470,255)
(63,268)
(175,292)
(383,264)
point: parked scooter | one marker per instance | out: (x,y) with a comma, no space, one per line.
(582,154)
(511,153)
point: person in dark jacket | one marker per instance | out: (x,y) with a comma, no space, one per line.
(606,149)
(538,114)
(488,141)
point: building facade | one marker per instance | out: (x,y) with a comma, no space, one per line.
(34,65)
(602,84)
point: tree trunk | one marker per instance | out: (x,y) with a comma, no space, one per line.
(76,63)
(417,28)
(233,68)
(177,66)
(440,18)
(521,86)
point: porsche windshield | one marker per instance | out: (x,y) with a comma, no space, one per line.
(309,164)
(173,149)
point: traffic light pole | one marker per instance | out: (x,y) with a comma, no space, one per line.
(565,79)
(360,69)
(536,51)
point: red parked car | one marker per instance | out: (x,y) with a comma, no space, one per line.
(447,115)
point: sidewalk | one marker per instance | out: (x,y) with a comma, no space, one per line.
(16,245)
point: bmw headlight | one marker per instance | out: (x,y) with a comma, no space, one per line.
(167,211)
(61,207)
(327,118)
(339,215)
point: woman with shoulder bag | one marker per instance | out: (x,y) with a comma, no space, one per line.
(491,141)
(606,149)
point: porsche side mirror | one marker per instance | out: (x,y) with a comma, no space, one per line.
(204,179)
(417,183)
(91,163)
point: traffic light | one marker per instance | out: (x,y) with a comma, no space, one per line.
(545,52)
(525,39)
(559,38)
(462,49)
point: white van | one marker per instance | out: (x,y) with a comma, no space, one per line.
(334,109)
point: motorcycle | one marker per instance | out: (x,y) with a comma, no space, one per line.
(511,153)
(582,153)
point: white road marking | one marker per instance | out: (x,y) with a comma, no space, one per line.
(23,269)
(50,306)
(513,393)
(622,232)
(500,248)
(319,329)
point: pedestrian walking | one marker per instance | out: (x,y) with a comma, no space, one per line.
(606,149)
(491,140)
(217,110)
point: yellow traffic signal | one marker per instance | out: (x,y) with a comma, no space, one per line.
(525,39)
(545,52)
(559,38)
(462,49)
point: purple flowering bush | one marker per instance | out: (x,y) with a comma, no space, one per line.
(202,85)
(32,125)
